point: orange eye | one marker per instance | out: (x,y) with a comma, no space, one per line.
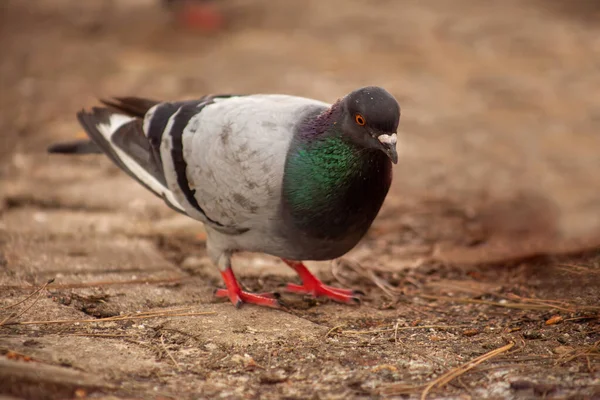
(360,120)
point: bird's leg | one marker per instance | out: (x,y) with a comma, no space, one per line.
(236,294)
(312,285)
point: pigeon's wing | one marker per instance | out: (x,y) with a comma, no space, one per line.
(218,159)
(225,160)
(121,137)
(124,133)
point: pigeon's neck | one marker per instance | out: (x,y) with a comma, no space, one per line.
(323,125)
(323,156)
(331,184)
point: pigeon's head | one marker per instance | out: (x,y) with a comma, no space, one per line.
(370,117)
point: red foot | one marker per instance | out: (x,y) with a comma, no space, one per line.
(312,285)
(238,297)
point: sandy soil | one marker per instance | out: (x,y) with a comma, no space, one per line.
(486,240)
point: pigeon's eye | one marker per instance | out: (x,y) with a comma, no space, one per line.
(360,120)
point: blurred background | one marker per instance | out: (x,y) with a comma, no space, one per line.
(499,137)
(499,146)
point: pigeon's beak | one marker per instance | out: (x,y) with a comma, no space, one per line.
(388,145)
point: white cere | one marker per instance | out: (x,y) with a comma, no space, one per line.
(388,139)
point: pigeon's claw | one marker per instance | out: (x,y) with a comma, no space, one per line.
(313,286)
(321,290)
(239,297)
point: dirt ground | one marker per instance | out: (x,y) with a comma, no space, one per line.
(486,246)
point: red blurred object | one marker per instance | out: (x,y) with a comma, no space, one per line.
(198,15)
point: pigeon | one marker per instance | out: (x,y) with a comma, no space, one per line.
(283,175)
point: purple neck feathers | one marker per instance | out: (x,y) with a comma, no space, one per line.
(322,124)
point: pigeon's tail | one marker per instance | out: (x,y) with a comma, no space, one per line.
(132,106)
(75,147)
(121,137)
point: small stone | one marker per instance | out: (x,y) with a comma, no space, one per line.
(211,346)
(193,262)
(40,217)
(564,338)
(543,389)
(521,385)
(32,343)
(246,360)
(237,358)
(470,332)
(562,349)
(273,377)
(532,335)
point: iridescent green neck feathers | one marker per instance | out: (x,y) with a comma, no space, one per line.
(318,171)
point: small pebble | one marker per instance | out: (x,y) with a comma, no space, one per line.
(470,332)
(532,335)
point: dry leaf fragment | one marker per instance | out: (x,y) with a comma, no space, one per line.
(13,355)
(555,319)
(381,367)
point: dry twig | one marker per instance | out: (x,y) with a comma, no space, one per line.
(17,315)
(102,335)
(554,304)
(448,376)
(28,297)
(367,273)
(579,269)
(332,330)
(395,329)
(162,342)
(521,306)
(585,351)
(454,373)
(145,315)
(103,283)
